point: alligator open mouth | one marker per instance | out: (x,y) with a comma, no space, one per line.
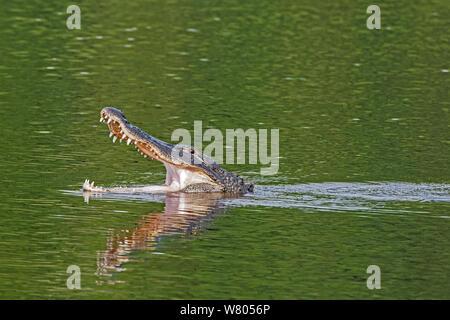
(187,169)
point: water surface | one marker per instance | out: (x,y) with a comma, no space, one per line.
(364,145)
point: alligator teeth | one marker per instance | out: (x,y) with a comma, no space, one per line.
(128,141)
(145,156)
(120,140)
(114,139)
(86,183)
(101,119)
(135,142)
(109,120)
(110,134)
(124,136)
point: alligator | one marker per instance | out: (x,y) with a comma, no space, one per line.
(187,169)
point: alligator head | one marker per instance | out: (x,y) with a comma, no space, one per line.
(188,170)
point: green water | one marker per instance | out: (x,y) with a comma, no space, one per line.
(363,117)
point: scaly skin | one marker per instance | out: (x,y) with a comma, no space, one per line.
(188,170)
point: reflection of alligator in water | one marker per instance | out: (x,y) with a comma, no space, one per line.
(188,170)
(184,213)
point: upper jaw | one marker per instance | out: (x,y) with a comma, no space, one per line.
(121,129)
(178,156)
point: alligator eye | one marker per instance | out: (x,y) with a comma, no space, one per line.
(192,151)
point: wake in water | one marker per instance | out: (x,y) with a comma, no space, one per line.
(341,196)
(370,197)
